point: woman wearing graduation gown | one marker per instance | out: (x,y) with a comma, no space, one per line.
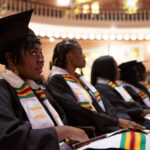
(78,98)
(27,117)
(103,76)
(142,84)
(130,77)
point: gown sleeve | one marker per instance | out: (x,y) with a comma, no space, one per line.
(18,135)
(126,110)
(77,115)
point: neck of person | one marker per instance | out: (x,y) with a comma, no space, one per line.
(71,70)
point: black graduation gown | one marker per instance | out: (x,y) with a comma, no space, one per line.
(15,128)
(77,115)
(135,96)
(126,110)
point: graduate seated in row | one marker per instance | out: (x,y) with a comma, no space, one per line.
(104,75)
(78,98)
(130,77)
(28,120)
(142,84)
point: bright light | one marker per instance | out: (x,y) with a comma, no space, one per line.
(140,37)
(70,36)
(133,37)
(42,33)
(112,37)
(126,37)
(147,37)
(84,36)
(56,34)
(78,36)
(119,37)
(105,37)
(63,2)
(51,39)
(49,34)
(63,35)
(91,36)
(98,37)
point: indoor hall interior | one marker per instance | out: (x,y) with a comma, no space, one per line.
(120,28)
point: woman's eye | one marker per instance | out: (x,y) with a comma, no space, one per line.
(33,53)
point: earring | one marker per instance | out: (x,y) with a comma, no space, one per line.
(14,69)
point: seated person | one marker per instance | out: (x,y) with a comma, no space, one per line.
(103,76)
(142,84)
(28,121)
(130,77)
(78,98)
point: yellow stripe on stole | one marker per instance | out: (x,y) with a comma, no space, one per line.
(128,140)
(26,87)
(27,93)
(39,116)
(137,144)
(35,108)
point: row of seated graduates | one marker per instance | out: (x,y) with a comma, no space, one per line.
(109,115)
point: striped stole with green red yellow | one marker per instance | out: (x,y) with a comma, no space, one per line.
(25,91)
(143,95)
(133,141)
(114,85)
(85,104)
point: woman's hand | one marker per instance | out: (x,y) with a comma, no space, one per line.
(145,112)
(123,123)
(72,133)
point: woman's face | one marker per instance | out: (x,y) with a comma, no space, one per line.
(77,57)
(31,63)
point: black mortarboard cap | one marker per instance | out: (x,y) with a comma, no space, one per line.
(126,65)
(13,30)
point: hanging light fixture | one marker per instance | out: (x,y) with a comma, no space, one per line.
(130,6)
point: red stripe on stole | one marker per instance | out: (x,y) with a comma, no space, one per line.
(24,91)
(132,141)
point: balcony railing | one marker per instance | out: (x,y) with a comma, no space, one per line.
(66,13)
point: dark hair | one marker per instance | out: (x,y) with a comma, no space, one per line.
(141,70)
(60,51)
(27,44)
(129,74)
(103,67)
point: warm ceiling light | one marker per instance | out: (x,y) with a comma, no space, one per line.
(91,36)
(63,35)
(126,37)
(78,36)
(112,37)
(49,34)
(140,37)
(105,37)
(133,37)
(51,39)
(63,2)
(84,36)
(131,6)
(98,37)
(70,35)
(56,34)
(42,33)
(147,37)
(119,37)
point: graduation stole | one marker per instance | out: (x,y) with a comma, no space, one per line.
(140,93)
(133,141)
(32,106)
(146,85)
(124,94)
(82,95)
